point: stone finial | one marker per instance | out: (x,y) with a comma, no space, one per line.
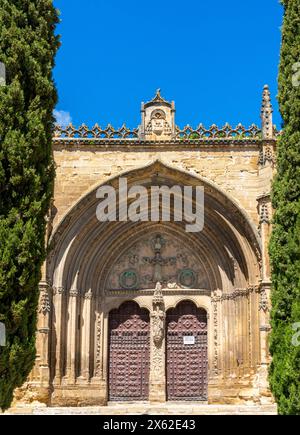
(267,114)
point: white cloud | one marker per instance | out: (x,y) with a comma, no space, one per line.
(62,118)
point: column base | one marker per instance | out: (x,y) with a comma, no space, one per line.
(157,393)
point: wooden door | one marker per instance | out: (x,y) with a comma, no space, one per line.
(187,358)
(129,353)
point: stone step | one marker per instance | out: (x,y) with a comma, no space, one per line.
(150,410)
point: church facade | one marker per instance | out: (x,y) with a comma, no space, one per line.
(146,311)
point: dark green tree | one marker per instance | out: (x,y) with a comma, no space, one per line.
(27,47)
(285,243)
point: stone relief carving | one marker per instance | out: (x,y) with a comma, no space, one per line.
(157,259)
(98,368)
(44,305)
(264,302)
(216,353)
(158,124)
(264,213)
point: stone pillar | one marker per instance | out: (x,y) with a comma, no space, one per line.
(38,386)
(265,213)
(157,390)
(43,333)
(100,376)
(72,335)
(58,330)
(86,337)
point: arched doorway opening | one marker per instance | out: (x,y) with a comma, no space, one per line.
(187,353)
(129,353)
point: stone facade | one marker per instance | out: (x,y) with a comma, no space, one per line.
(224,269)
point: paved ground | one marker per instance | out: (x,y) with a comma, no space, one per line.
(146,409)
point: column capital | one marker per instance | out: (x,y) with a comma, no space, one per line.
(58,291)
(74,293)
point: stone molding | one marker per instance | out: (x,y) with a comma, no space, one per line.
(218,296)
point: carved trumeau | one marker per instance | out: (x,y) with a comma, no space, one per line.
(158,315)
(158,320)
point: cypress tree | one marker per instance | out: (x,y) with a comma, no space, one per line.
(285,243)
(27,47)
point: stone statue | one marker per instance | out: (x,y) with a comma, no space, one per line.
(158,318)
(158,315)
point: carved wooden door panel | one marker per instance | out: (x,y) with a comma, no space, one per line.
(129,353)
(187,358)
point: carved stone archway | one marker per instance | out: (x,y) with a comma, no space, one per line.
(93,268)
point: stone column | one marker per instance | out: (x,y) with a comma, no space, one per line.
(86,337)
(72,334)
(58,330)
(265,212)
(43,333)
(39,380)
(157,390)
(100,376)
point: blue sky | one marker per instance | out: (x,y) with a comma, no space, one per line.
(212,58)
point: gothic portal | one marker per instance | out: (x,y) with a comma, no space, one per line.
(146,311)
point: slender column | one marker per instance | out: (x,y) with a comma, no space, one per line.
(157,390)
(216,363)
(86,337)
(58,330)
(72,332)
(101,351)
(43,333)
(98,348)
(265,211)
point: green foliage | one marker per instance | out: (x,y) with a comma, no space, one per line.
(285,243)
(27,47)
